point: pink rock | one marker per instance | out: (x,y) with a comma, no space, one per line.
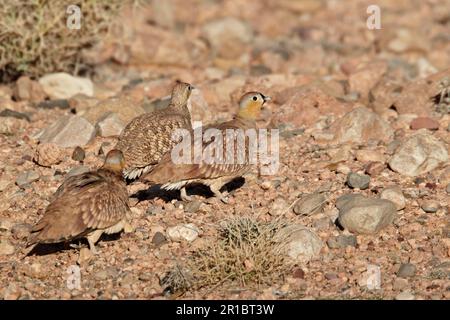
(424,123)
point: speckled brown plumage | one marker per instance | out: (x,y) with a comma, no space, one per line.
(148,137)
(86,205)
(215,175)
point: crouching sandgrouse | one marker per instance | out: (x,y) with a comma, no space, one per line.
(86,206)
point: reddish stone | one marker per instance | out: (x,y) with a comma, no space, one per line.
(424,123)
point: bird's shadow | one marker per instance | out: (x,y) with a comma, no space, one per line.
(43,249)
(155,191)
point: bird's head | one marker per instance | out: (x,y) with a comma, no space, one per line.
(115,161)
(181,93)
(250,105)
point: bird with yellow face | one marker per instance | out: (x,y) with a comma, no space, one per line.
(175,176)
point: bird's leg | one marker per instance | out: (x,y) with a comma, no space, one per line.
(215,188)
(92,238)
(184,196)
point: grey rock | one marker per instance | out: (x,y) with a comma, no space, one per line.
(298,243)
(361,125)
(54,104)
(430,206)
(187,232)
(7,113)
(360,181)
(419,154)
(310,204)
(395,195)
(63,85)
(363,215)
(109,125)
(406,270)
(192,206)
(26,177)
(68,131)
(342,241)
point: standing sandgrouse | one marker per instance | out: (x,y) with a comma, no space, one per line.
(86,206)
(148,137)
(175,176)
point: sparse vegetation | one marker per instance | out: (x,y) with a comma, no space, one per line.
(35,39)
(245,254)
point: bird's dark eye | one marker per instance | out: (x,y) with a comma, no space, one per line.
(190,88)
(255,98)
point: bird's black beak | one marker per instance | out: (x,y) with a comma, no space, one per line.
(266,98)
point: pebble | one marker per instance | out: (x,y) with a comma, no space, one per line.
(47,154)
(400,284)
(447,189)
(358,181)
(424,123)
(192,206)
(430,206)
(298,243)
(6,248)
(159,239)
(406,270)
(342,241)
(63,85)
(68,131)
(278,207)
(188,232)
(78,154)
(395,195)
(362,215)
(310,204)
(109,125)
(405,295)
(419,154)
(26,177)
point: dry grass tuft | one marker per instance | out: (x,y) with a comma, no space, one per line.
(34,37)
(245,254)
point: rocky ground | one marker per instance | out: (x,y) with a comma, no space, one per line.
(364,177)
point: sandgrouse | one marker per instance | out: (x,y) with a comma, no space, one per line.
(86,206)
(173,176)
(149,136)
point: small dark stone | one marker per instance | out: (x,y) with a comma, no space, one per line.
(406,270)
(159,239)
(8,113)
(52,104)
(342,241)
(298,273)
(78,154)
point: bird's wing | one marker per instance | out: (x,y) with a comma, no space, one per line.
(81,207)
(146,139)
(168,172)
